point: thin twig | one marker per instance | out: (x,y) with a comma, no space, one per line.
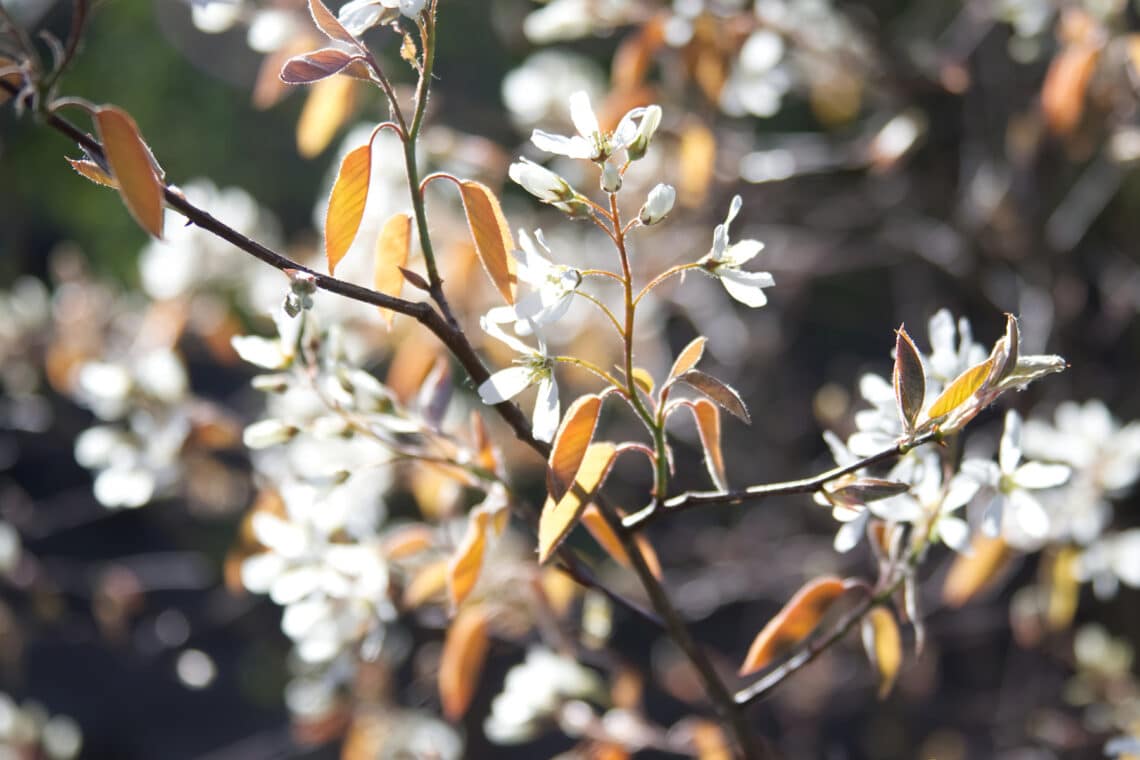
(692,499)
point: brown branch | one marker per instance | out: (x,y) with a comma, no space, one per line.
(692,499)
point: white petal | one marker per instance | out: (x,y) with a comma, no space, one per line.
(300,617)
(1036,475)
(582,114)
(504,384)
(546,410)
(501,315)
(260,571)
(627,129)
(850,534)
(991,517)
(733,210)
(295,584)
(1029,515)
(560,145)
(263,352)
(1009,453)
(285,538)
(743,252)
(124,487)
(746,287)
(955,533)
(962,489)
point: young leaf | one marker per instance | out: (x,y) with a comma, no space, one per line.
(92,171)
(600,529)
(559,517)
(570,444)
(328,23)
(643,380)
(492,236)
(407,541)
(391,255)
(467,562)
(793,623)
(718,391)
(972,573)
(326,109)
(461,661)
(909,380)
(429,582)
(961,389)
(133,167)
(708,426)
(346,203)
(322,64)
(883,643)
(689,356)
(859,491)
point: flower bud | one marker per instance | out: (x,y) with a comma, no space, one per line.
(658,205)
(611,178)
(266,433)
(540,182)
(650,120)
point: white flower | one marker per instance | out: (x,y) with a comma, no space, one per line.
(592,143)
(650,120)
(533,367)
(724,261)
(554,284)
(1011,510)
(532,693)
(658,205)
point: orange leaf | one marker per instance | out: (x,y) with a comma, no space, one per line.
(346,203)
(429,582)
(595,522)
(467,562)
(407,540)
(391,254)
(326,109)
(974,572)
(322,64)
(960,391)
(558,518)
(133,167)
(93,172)
(708,425)
(634,56)
(883,643)
(689,356)
(328,23)
(1065,87)
(697,160)
(793,623)
(461,662)
(570,443)
(492,236)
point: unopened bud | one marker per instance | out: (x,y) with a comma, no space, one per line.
(266,433)
(611,178)
(540,182)
(650,120)
(658,205)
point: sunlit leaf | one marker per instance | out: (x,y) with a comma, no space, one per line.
(961,390)
(467,562)
(570,444)
(793,623)
(559,588)
(92,171)
(428,583)
(689,356)
(322,64)
(883,642)
(327,108)
(719,391)
(559,517)
(413,361)
(407,541)
(346,203)
(268,89)
(643,380)
(708,426)
(492,236)
(1064,588)
(392,249)
(328,23)
(461,662)
(974,572)
(600,529)
(859,491)
(909,380)
(697,160)
(1066,86)
(133,167)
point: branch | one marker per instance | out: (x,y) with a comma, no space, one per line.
(691,499)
